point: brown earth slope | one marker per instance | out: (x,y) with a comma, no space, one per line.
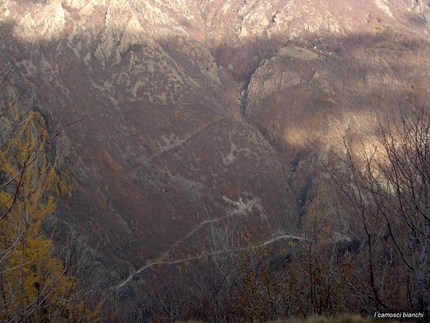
(207,110)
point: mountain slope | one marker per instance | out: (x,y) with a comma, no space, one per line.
(197,106)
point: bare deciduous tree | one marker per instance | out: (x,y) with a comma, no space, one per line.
(388,189)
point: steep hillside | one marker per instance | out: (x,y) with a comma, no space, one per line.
(204,111)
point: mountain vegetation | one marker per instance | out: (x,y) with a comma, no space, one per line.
(214,160)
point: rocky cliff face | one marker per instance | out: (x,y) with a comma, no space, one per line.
(208,110)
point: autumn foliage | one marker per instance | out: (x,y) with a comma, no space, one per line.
(35,285)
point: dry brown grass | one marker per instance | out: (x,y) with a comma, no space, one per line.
(298,52)
(345,318)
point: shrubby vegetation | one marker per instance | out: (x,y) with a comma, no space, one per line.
(379,264)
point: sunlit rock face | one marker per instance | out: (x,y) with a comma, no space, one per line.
(197,109)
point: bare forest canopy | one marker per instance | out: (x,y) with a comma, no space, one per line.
(215,160)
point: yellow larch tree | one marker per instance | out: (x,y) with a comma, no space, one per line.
(34,284)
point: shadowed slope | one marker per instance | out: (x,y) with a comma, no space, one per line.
(165,143)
